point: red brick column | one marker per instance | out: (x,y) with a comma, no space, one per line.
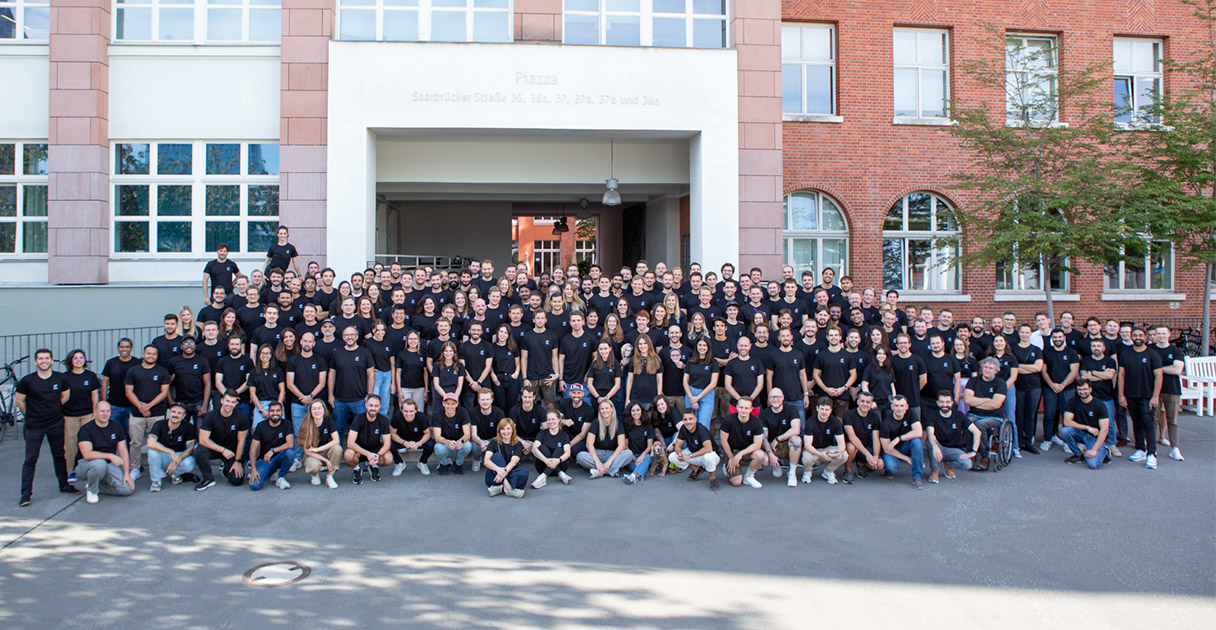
(79,162)
(307,28)
(756,35)
(538,21)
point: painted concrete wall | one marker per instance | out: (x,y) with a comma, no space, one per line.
(53,309)
(26,110)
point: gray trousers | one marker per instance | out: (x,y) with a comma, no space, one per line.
(587,461)
(101,476)
(950,457)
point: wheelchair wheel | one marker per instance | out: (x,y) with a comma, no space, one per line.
(1006,443)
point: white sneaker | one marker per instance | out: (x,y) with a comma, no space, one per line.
(1045,446)
(1176,454)
(329,481)
(596,474)
(1164,441)
(518,493)
(792,481)
(1138,456)
(830,476)
(776,471)
(1055,439)
(495,490)
(398,469)
(1151,462)
(315,480)
(751,480)
(1115,452)
(175,479)
(282,484)
(476,466)
(424,469)
(561,474)
(807,477)
(295,466)
(91,497)
(155,486)
(540,481)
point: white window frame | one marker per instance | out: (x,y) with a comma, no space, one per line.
(1011,69)
(802,63)
(920,67)
(199,9)
(646,16)
(1119,271)
(542,251)
(584,249)
(939,272)
(819,235)
(1020,282)
(22,12)
(425,10)
(20,181)
(198,180)
(1135,77)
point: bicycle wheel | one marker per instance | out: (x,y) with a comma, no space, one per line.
(1191,349)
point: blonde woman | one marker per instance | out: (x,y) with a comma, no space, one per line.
(607,448)
(319,444)
(188,325)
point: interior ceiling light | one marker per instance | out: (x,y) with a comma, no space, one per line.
(611,196)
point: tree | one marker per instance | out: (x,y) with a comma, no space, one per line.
(1044,192)
(1176,155)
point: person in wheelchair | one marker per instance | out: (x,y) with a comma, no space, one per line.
(954,439)
(985,397)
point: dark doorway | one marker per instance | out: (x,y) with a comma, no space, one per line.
(633,233)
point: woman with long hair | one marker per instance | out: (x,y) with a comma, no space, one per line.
(645,379)
(607,450)
(382,363)
(552,451)
(409,372)
(614,333)
(701,375)
(503,455)
(570,292)
(877,338)
(319,444)
(507,291)
(1009,373)
(665,419)
(697,329)
(640,437)
(287,347)
(425,317)
(447,376)
(366,309)
(265,384)
(879,379)
(604,376)
(675,315)
(505,374)
(187,325)
(230,326)
(84,389)
(623,314)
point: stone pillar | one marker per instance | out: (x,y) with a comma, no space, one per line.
(756,33)
(538,21)
(304,108)
(78,210)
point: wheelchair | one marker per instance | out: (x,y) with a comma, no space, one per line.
(997,443)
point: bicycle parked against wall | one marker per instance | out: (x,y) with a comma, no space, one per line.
(9,414)
(1189,340)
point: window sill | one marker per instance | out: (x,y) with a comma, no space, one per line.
(1018,124)
(932,296)
(1145,296)
(24,48)
(1141,126)
(1033,296)
(192,49)
(922,122)
(812,118)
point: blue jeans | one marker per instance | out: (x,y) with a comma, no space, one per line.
(158,462)
(518,477)
(121,415)
(343,412)
(1011,405)
(705,407)
(1111,434)
(796,405)
(297,418)
(1071,436)
(914,449)
(280,462)
(642,467)
(446,454)
(382,387)
(1053,409)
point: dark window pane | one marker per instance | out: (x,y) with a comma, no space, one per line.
(131,159)
(263,159)
(261,235)
(227,232)
(33,237)
(34,202)
(8,201)
(893,263)
(173,201)
(132,201)
(263,201)
(8,238)
(8,23)
(223,201)
(1123,99)
(173,236)
(223,159)
(173,159)
(8,154)
(131,236)
(895,218)
(920,208)
(35,159)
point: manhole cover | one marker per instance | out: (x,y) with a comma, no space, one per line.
(276,574)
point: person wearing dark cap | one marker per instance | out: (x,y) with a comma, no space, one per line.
(451,429)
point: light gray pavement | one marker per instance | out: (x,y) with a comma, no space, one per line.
(1038,543)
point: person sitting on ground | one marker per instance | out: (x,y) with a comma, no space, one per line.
(782,435)
(320,444)
(641,438)
(410,431)
(824,440)
(694,447)
(102,459)
(368,441)
(171,445)
(451,431)
(1086,421)
(863,451)
(742,438)
(222,435)
(953,438)
(607,450)
(503,454)
(902,441)
(552,451)
(271,449)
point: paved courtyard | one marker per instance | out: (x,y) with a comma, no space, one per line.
(1039,543)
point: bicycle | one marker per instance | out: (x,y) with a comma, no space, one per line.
(9,414)
(1189,340)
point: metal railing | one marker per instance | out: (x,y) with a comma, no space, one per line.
(99,345)
(445,263)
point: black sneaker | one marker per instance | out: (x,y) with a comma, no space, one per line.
(1029,447)
(713,483)
(189,477)
(848,477)
(888,474)
(203,485)
(1072,459)
(695,474)
(918,484)
(458,469)
(443,470)
(1107,459)
(375,473)
(357,477)
(68,490)
(862,471)
(24,502)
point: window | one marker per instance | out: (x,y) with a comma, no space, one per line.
(922,74)
(545,256)
(1154,271)
(668,23)
(192,21)
(584,251)
(25,19)
(188,197)
(23,197)
(816,235)
(919,241)
(425,20)
(1030,79)
(1137,79)
(808,68)
(1029,278)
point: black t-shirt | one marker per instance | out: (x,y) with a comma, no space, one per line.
(553,443)
(212,354)
(451,428)
(1027,356)
(880,382)
(696,439)
(673,375)
(235,372)
(476,356)
(787,370)
(941,371)
(413,370)
(1170,383)
(221,274)
(907,376)
(224,430)
(507,450)
(645,386)
(411,431)
(1103,389)
(823,434)
(863,426)
(280,255)
(448,376)
(891,428)
(539,346)
(350,373)
(740,435)
(101,439)
(988,389)
(778,422)
(269,437)
(267,336)
(116,371)
(43,398)
(1058,363)
(603,378)
(250,317)
(1138,370)
(265,384)
(174,439)
(528,422)
(1089,414)
(952,430)
(382,352)
(834,368)
(146,384)
(581,415)
(369,433)
(577,353)
(744,375)
(504,359)
(699,374)
(167,349)
(305,374)
(80,392)
(486,424)
(188,378)
(608,442)
(361,326)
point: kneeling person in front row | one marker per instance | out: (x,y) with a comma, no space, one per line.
(694,446)
(271,450)
(862,446)
(1085,421)
(369,441)
(782,435)
(824,442)
(170,447)
(902,441)
(742,438)
(451,429)
(503,455)
(103,462)
(953,438)
(222,435)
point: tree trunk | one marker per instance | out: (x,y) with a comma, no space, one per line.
(1046,282)
(1206,325)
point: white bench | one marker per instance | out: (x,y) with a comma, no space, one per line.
(1199,385)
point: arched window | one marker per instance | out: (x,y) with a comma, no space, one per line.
(816,235)
(919,239)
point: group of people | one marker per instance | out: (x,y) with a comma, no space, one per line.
(629,374)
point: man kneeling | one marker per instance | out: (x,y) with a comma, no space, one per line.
(271,450)
(742,438)
(369,440)
(694,446)
(1085,421)
(103,461)
(953,438)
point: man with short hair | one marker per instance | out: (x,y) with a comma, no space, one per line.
(450,428)
(147,387)
(787,370)
(823,443)
(1061,364)
(742,439)
(694,447)
(351,378)
(168,345)
(1140,377)
(191,380)
(222,434)
(101,461)
(271,449)
(369,440)
(863,449)
(1086,420)
(220,272)
(410,430)
(910,373)
(782,435)
(744,373)
(170,447)
(232,373)
(953,439)
(538,358)
(1102,371)
(1172,363)
(834,373)
(902,441)
(40,397)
